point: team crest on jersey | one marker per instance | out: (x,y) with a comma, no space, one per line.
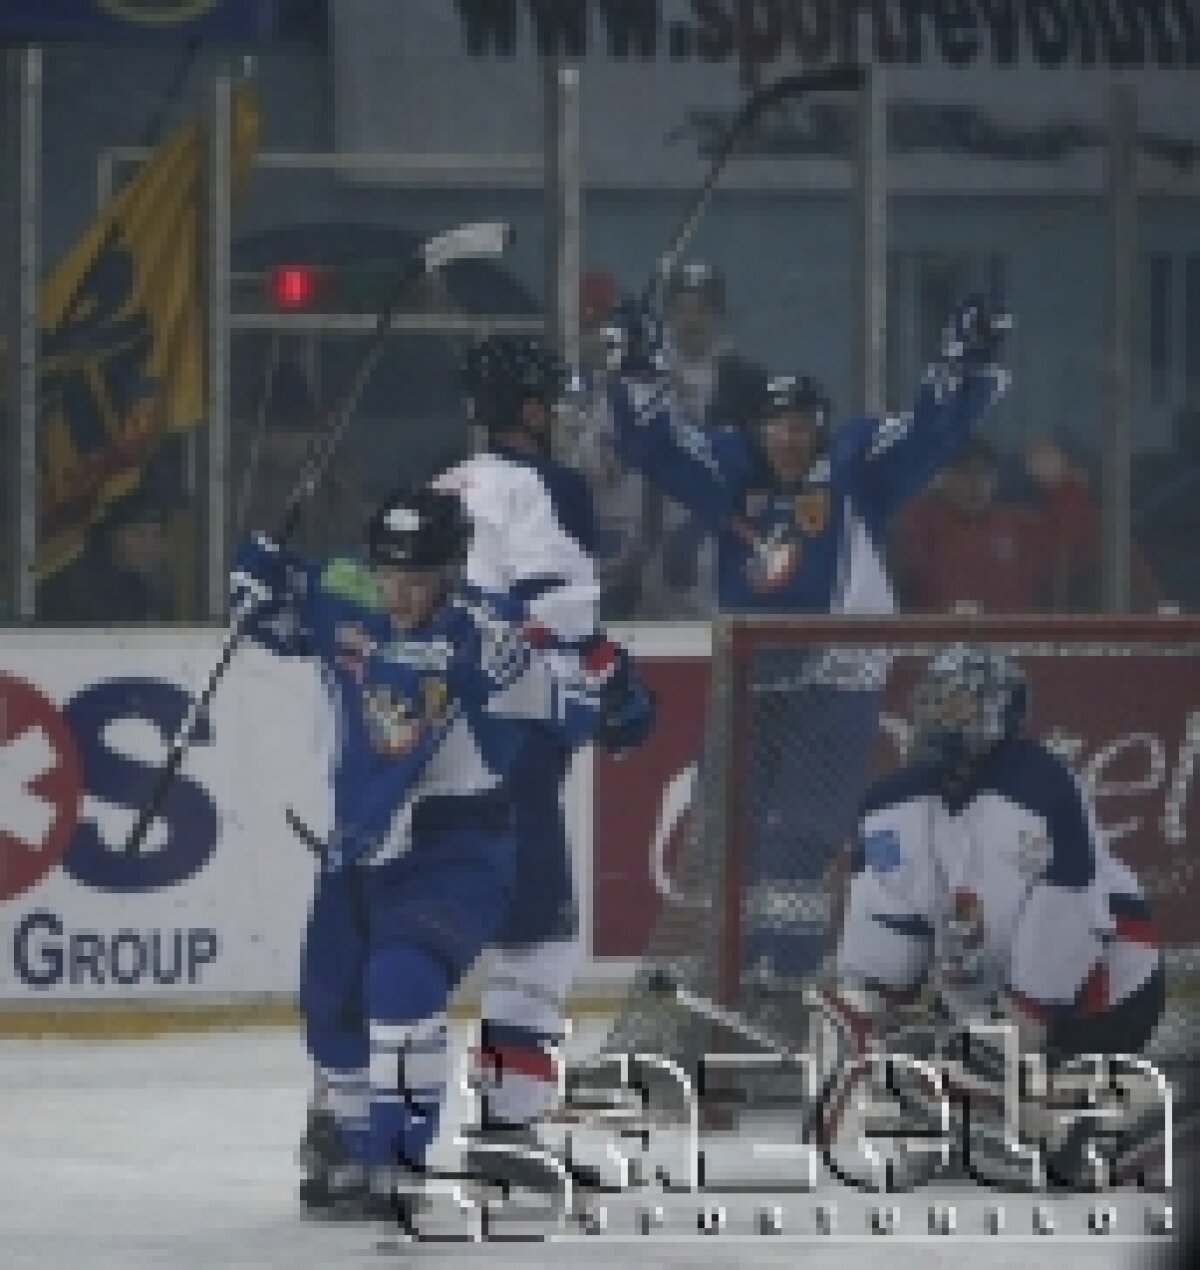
(393,725)
(964,938)
(774,561)
(812,510)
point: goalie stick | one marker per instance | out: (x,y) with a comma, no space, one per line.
(484,238)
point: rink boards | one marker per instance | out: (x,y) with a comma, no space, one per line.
(209,916)
(206,921)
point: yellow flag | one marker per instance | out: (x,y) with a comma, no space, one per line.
(123,320)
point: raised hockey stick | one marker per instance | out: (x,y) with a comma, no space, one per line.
(827,79)
(484,238)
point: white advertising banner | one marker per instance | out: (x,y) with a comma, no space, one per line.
(983,94)
(214,904)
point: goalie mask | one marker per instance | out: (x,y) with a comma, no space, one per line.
(503,372)
(421,529)
(968,701)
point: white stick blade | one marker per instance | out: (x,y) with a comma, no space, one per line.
(484,238)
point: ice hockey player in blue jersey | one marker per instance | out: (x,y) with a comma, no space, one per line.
(434,689)
(981,879)
(800,512)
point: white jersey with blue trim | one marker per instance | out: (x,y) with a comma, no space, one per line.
(532,536)
(1004,886)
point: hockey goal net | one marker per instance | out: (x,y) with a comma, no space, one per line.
(804,712)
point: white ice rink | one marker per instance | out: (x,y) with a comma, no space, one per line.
(178,1152)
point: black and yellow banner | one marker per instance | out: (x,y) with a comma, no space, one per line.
(123,321)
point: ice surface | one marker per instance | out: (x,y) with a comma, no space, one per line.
(179,1152)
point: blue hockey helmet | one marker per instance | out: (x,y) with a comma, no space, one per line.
(419,529)
(503,371)
(969,699)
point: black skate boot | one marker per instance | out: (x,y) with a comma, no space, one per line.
(334,1186)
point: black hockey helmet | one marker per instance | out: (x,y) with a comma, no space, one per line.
(696,278)
(795,394)
(419,529)
(505,370)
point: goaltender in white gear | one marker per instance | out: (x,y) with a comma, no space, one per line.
(981,881)
(980,866)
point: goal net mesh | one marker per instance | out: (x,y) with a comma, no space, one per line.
(803,713)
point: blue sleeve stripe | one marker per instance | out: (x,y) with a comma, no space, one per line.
(526,590)
(913,926)
(512,1034)
(1122,904)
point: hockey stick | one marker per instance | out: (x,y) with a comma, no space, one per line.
(827,79)
(306,835)
(485,238)
(662,984)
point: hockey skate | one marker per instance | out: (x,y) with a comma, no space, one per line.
(335,1187)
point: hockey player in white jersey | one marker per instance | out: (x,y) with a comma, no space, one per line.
(980,877)
(434,691)
(534,537)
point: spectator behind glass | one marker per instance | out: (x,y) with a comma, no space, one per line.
(123,575)
(589,446)
(1073,533)
(714,385)
(1166,512)
(331,518)
(959,545)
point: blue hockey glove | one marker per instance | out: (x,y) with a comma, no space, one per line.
(628,710)
(637,342)
(975,333)
(259,577)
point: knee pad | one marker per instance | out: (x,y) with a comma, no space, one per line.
(529,986)
(405,983)
(516,1064)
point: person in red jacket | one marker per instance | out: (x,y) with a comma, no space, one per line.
(959,546)
(1073,536)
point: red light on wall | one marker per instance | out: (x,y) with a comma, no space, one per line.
(294,286)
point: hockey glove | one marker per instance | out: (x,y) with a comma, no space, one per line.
(973,338)
(627,707)
(628,720)
(637,342)
(259,577)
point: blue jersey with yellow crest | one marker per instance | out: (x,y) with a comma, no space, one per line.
(816,547)
(438,712)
